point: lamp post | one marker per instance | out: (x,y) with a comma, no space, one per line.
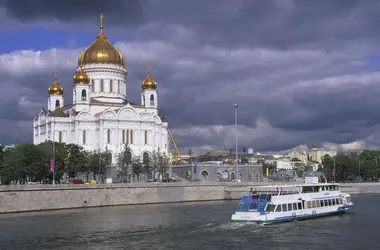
(236,139)
(53,163)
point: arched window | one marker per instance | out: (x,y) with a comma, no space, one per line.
(101,85)
(84,95)
(108,135)
(84,137)
(111,86)
(57,104)
(151,100)
(145,158)
(131,141)
(123,136)
(92,85)
(146,137)
(60,137)
(143,102)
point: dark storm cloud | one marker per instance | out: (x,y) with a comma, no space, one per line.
(273,23)
(199,83)
(118,11)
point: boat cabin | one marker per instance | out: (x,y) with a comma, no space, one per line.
(319,188)
(307,204)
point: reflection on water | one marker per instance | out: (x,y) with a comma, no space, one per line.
(186,226)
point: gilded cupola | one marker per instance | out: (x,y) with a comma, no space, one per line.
(149,83)
(101,51)
(55,88)
(81,77)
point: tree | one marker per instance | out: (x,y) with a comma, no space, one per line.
(75,160)
(60,155)
(136,168)
(125,163)
(163,163)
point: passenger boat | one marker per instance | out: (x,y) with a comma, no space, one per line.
(292,202)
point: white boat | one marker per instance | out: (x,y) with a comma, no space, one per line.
(292,202)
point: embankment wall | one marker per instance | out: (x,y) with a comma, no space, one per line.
(47,197)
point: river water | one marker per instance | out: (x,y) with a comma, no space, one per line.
(187,226)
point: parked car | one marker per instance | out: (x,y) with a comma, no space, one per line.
(76,181)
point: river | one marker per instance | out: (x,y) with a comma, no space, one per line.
(187,226)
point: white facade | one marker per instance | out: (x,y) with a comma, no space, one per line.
(101,118)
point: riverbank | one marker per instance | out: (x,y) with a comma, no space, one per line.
(24,198)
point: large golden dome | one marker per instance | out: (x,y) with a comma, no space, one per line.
(101,51)
(149,83)
(81,77)
(55,88)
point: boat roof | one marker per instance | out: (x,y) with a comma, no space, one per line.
(297,185)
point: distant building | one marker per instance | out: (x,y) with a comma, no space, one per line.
(302,156)
(317,154)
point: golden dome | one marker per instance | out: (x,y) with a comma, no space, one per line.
(55,88)
(148,83)
(81,77)
(101,51)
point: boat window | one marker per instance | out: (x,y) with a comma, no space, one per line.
(340,201)
(278,208)
(333,202)
(313,205)
(294,206)
(318,203)
(308,204)
(290,207)
(336,201)
(307,189)
(270,208)
(326,203)
(253,206)
(299,206)
(329,202)
(284,207)
(322,203)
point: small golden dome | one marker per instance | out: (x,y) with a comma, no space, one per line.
(55,88)
(81,77)
(101,51)
(149,83)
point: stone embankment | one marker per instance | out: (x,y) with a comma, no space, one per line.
(24,198)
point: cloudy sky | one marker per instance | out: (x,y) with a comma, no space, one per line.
(302,71)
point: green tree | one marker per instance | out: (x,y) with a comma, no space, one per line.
(137,168)
(60,155)
(163,163)
(75,160)
(125,163)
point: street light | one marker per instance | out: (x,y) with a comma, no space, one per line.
(53,163)
(236,138)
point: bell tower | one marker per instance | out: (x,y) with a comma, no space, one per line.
(55,91)
(149,92)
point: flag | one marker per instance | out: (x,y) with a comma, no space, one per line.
(333,172)
(195,168)
(52,165)
(236,106)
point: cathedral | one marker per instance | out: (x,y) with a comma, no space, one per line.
(100,117)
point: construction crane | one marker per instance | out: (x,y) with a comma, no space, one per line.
(177,159)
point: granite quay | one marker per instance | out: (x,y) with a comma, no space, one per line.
(23,198)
